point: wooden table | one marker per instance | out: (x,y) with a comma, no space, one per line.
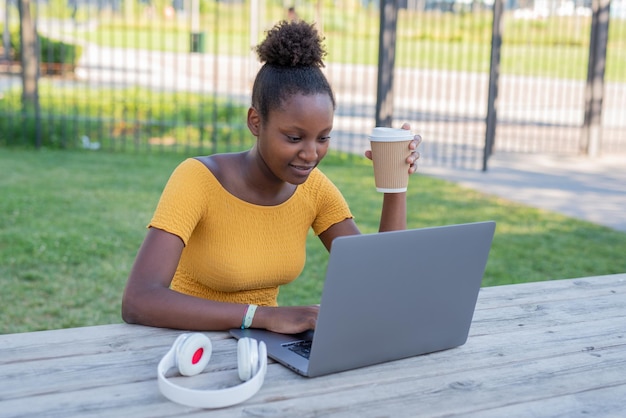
(538,349)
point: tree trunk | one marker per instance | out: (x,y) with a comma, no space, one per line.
(30,64)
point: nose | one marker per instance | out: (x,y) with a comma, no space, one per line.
(308,152)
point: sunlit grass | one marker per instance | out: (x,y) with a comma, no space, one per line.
(72,222)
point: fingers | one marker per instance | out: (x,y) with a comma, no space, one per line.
(294,319)
(417,140)
(413,164)
(415,155)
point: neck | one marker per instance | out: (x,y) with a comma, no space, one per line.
(261,181)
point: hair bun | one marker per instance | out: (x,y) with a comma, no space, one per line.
(292,44)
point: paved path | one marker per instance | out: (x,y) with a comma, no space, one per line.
(593,189)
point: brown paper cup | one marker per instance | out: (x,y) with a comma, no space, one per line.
(390,148)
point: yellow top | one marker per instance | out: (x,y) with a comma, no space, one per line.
(236,251)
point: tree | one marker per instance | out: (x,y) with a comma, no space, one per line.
(30,65)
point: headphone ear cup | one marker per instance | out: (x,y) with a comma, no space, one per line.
(193,353)
(247,358)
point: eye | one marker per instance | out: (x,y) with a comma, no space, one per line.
(293,138)
(324,139)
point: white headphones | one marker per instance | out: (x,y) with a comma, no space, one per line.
(191,352)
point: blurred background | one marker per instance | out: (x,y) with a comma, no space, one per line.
(474,77)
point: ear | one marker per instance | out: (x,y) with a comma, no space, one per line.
(254,121)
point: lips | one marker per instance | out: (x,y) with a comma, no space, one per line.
(301,170)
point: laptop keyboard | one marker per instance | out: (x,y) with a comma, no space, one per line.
(302,348)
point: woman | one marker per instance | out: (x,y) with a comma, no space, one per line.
(229,229)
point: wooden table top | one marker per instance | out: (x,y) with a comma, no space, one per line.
(535,350)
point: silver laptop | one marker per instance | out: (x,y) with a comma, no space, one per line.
(389,296)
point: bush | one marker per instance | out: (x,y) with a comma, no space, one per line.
(124,118)
(60,55)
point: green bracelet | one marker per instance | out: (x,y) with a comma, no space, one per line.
(248,316)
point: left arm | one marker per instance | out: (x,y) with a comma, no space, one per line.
(393,215)
(394,212)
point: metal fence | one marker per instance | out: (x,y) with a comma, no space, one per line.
(158,76)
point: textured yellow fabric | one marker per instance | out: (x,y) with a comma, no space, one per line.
(236,251)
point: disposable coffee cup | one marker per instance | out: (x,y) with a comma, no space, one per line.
(390,149)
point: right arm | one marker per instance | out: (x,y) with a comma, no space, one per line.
(148,299)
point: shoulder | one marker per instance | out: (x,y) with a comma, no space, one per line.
(329,204)
(318,181)
(222,166)
(211,162)
(317,178)
(320,188)
(191,175)
(190,168)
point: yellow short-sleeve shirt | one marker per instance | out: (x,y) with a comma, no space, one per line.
(236,251)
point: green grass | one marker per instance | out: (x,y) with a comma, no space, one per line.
(72,221)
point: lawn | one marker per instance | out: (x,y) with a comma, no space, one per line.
(72,221)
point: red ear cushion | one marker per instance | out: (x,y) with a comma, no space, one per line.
(193,354)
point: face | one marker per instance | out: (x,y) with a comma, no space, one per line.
(294,138)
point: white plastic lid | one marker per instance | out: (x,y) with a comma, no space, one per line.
(384,134)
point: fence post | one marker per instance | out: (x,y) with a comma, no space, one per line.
(494,75)
(386,61)
(590,139)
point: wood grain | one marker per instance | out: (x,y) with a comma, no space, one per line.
(536,349)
